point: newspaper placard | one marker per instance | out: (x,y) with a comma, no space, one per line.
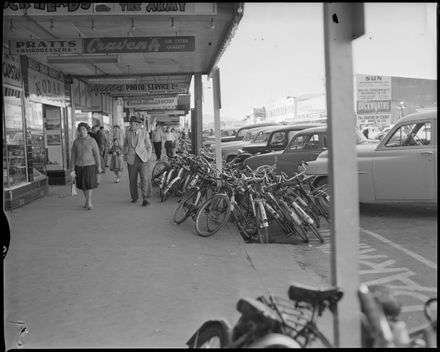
(373,87)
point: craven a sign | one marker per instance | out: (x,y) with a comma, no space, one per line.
(138,44)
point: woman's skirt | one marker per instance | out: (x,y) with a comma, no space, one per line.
(86,177)
(116,163)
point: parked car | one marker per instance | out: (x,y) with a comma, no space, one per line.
(230,149)
(276,138)
(226,134)
(242,130)
(401,168)
(306,145)
(381,134)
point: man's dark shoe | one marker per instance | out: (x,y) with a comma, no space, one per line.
(145,203)
(134,200)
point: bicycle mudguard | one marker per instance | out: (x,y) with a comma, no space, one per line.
(275,341)
(223,323)
(251,307)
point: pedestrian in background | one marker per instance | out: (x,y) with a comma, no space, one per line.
(117,133)
(169,139)
(85,163)
(116,159)
(102,146)
(158,138)
(137,153)
(106,147)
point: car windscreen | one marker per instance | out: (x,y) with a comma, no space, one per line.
(261,137)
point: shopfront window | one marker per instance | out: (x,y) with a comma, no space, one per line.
(15,143)
(54,149)
(37,151)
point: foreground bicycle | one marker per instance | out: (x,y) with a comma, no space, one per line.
(292,323)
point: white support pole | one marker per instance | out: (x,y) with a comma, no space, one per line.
(339,23)
(217,106)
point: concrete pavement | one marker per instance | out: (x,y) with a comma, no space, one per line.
(122,275)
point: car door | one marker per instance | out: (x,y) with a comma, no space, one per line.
(302,147)
(404,169)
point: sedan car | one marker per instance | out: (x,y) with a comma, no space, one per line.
(402,168)
(276,138)
(306,145)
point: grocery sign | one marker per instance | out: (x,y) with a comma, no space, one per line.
(152,103)
(103,45)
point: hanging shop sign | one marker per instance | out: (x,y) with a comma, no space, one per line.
(138,44)
(38,46)
(45,89)
(103,45)
(153,103)
(140,89)
(108,8)
(11,70)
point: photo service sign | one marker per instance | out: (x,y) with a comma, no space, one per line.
(103,45)
(140,89)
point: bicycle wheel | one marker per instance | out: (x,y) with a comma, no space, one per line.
(158,169)
(185,207)
(212,336)
(262,232)
(315,232)
(298,229)
(213,215)
(324,199)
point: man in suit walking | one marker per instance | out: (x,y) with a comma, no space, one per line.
(137,153)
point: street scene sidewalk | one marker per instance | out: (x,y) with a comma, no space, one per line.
(122,275)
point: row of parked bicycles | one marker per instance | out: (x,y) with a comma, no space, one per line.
(252,199)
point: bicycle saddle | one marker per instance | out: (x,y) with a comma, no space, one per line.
(314,296)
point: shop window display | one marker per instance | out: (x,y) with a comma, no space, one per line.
(37,151)
(15,143)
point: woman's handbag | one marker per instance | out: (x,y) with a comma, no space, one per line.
(73,189)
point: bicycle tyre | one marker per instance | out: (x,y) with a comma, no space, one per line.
(212,336)
(298,230)
(169,189)
(158,169)
(185,207)
(214,207)
(315,232)
(262,232)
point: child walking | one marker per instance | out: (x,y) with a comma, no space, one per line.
(116,161)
